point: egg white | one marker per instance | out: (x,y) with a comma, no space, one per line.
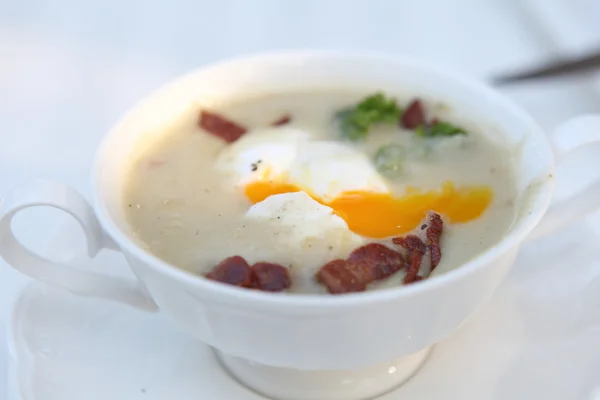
(266,154)
(325,169)
(310,231)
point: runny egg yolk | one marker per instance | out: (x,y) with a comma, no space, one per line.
(379,215)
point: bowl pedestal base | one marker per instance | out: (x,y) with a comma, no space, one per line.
(290,384)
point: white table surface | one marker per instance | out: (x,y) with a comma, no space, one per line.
(68,69)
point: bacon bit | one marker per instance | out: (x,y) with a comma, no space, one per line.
(270,277)
(433,234)
(413,266)
(282,121)
(379,260)
(232,271)
(263,276)
(366,264)
(434,121)
(339,278)
(220,126)
(410,242)
(399,241)
(414,115)
(416,250)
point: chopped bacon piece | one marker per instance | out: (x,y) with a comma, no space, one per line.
(220,126)
(410,242)
(366,264)
(416,250)
(339,277)
(400,241)
(414,115)
(270,277)
(285,119)
(232,271)
(434,121)
(413,266)
(380,260)
(433,234)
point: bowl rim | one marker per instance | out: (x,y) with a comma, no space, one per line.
(226,293)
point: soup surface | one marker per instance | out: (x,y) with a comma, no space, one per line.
(295,181)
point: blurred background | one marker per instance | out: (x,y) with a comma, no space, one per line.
(69,69)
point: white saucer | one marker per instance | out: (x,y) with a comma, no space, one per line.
(539,338)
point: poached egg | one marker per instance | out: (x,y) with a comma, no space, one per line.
(341,178)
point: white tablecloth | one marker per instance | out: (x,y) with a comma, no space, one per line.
(68,69)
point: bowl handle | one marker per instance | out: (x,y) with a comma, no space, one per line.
(566,139)
(75,280)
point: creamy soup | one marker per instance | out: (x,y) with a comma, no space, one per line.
(303,179)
